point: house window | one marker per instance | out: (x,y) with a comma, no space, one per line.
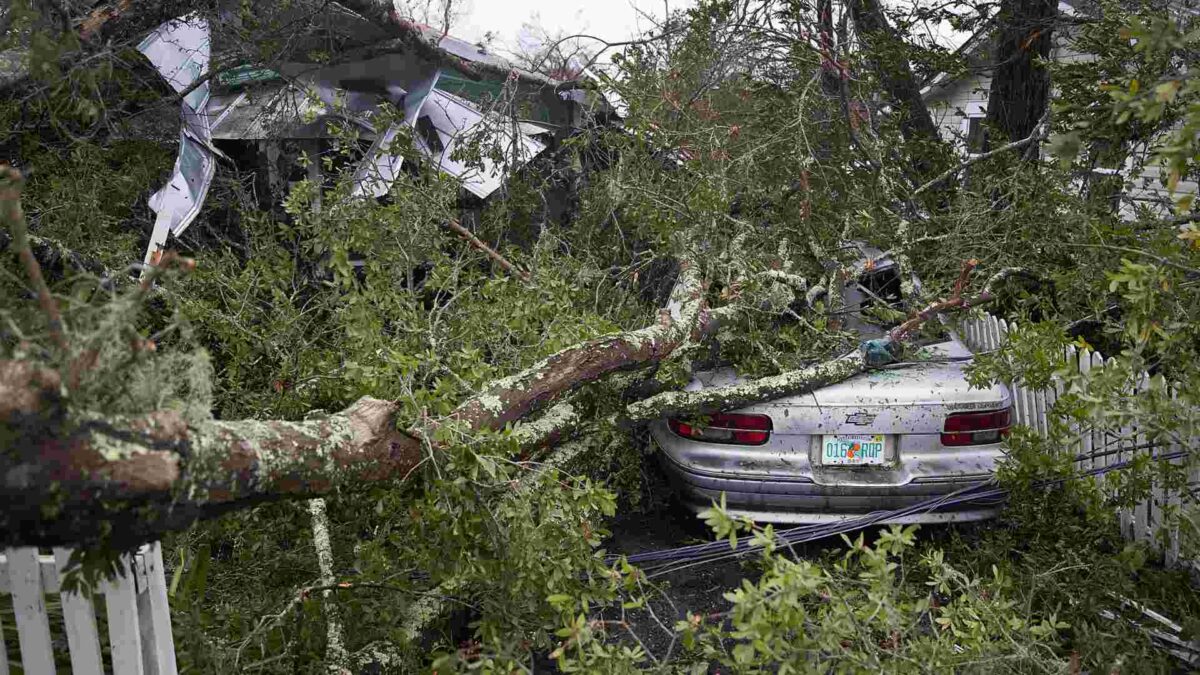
(977,135)
(429,134)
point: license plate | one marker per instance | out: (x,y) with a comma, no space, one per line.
(853,450)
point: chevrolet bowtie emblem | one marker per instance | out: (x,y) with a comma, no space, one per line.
(861,419)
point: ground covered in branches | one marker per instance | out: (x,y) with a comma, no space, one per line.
(467,384)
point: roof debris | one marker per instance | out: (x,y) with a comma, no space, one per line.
(298,101)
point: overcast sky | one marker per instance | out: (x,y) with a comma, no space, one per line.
(612,20)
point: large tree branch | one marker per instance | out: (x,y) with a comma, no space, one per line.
(895,74)
(1040,132)
(105,469)
(705,401)
(515,397)
(409,36)
(870,354)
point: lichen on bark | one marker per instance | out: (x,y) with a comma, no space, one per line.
(705,401)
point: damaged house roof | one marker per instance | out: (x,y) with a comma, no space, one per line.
(444,107)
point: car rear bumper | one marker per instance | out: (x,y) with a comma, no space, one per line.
(800,500)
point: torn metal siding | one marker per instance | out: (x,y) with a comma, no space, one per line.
(379,168)
(305,98)
(181,50)
(458,123)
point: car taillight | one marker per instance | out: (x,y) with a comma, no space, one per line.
(734,428)
(977,428)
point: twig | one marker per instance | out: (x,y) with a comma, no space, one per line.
(11,182)
(457,228)
(955,301)
(1145,254)
(166,261)
(964,276)
(1040,132)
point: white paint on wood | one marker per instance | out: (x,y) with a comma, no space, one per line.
(3,648)
(952,103)
(1148,522)
(125,640)
(136,605)
(49,579)
(29,605)
(79,619)
(1101,440)
(156,613)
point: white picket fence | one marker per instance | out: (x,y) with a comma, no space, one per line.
(139,621)
(1030,407)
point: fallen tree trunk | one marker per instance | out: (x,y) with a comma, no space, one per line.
(63,468)
(84,468)
(66,471)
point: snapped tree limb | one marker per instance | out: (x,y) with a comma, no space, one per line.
(870,354)
(410,35)
(63,470)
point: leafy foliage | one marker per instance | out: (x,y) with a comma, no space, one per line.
(736,153)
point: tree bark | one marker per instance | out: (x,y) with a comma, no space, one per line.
(706,401)
(64,472)
(1020,87)
(893,70)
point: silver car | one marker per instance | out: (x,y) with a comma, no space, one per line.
(880,441)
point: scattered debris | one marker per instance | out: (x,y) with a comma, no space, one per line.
(181,50)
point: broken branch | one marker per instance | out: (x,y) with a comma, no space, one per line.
(706,401)
(12,217)
(171,473)
(457,228)
(870,354)
(1040,132)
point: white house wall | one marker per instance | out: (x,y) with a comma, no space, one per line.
(952,102)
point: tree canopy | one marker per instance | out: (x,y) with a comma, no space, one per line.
(467,381)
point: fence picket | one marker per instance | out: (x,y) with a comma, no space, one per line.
(993,332)
(1071,362)
(123,634)
(1175,503)
(155,615)
(1026,406)
(79,619)
(1039,411)
(1143,513)
(1124,441)
(1103,440)
(1031,408)
(1083,365)
(29,605)
(3,648)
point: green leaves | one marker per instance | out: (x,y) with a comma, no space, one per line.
(724,525)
